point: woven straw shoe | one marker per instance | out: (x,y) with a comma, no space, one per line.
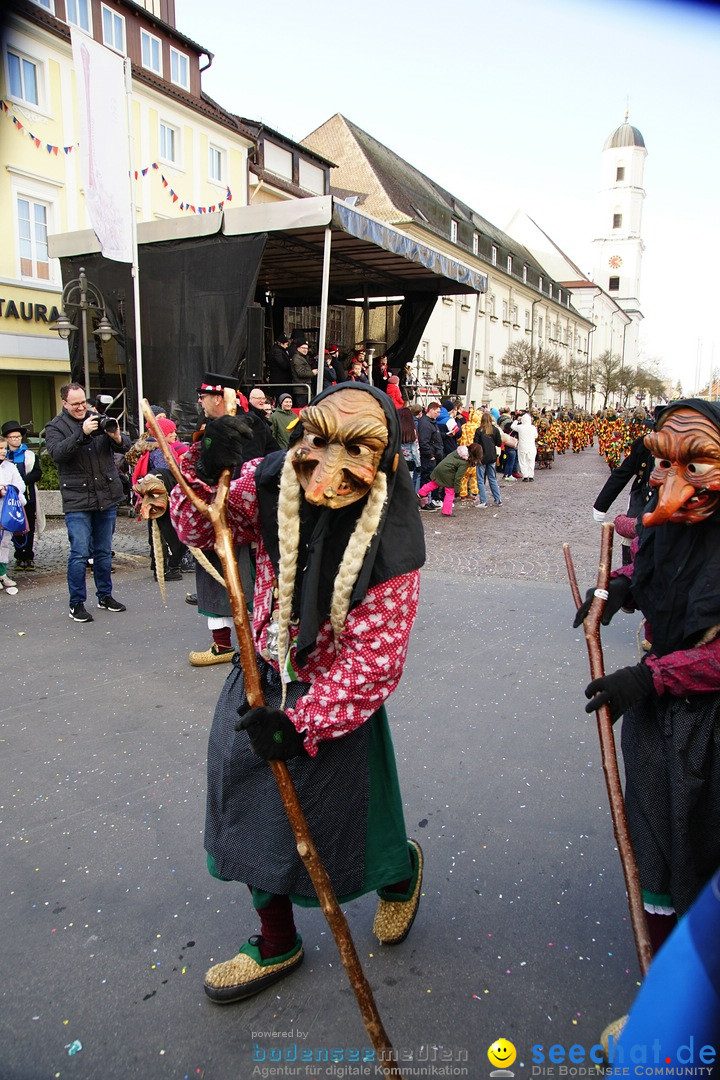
(213,655)
(614,1030)
(394,918)
(247,973)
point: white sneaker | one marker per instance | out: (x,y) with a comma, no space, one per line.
(7,582)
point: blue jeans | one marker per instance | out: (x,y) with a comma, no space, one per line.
(510,461)
(490,472)
(86,527)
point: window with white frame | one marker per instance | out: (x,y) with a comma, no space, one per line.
(475,243)
(216,164)
(540,283)
(505,310)
(78,14)
(151,52)
(491,305)
(525,273)
(514,314)
(23,76)
(179,69)
(47,4)
(32,224)
(493,255)
(540,326)
(527,318)
(509,264)
(453,231)
(113,30)
(169,143)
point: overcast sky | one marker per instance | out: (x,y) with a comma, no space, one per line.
(507,104)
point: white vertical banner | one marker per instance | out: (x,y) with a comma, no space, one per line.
(103,131)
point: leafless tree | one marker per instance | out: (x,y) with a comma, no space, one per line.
(526,368)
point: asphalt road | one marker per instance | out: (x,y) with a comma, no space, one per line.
(109,918)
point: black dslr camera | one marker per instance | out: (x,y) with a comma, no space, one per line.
(106,423)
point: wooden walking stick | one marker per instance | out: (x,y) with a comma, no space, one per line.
(216,512)
(591,626)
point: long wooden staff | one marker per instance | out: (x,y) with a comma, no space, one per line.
(216,512)
(591,626)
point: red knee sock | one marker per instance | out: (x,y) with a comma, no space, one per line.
(660,927)
(222,638)
(277,927)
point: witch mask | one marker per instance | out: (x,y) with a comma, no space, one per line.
(686,447)
(338,456)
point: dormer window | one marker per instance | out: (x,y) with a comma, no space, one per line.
(151,52)
(453,231)
(179,69)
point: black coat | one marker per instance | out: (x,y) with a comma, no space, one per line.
(279,366)
(89,479)
(430,439)
(636,466)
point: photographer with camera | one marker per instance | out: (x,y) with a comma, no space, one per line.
(82,445)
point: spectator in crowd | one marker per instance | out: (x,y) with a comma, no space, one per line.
(356,373)
(302,372)
(9,475)
(280,372)
(488,437)
(430,440)
(30,469)
(83,446)
(449,426)
(409,444)
(393,391)
(448,474)
(380,373)
(281,419)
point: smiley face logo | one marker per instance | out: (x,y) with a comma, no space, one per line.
(501,1054)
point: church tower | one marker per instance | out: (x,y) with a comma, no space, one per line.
(618,246)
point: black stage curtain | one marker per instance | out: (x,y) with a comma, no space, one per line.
(193,302)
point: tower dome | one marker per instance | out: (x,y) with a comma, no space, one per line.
(625,135)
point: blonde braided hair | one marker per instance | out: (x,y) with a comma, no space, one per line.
(355,552)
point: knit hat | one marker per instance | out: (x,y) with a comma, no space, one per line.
(166,426)
(463,452)
(282,398)
(158,410)
(299,341)
(394,379)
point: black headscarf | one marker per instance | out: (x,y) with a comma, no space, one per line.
(398,546)
(676,579)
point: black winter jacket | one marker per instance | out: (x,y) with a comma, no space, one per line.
(89,478)
(430,439)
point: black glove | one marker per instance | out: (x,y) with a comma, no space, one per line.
(272,733)
(224,445)
(619,690)
(618,589)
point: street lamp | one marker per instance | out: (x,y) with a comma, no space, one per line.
(82,295)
